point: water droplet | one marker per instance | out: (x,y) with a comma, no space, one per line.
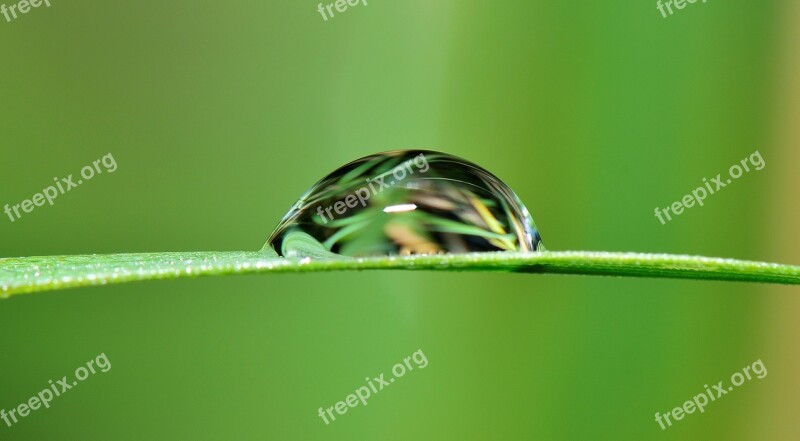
(405,202)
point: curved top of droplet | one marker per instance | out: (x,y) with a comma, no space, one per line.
(405,202)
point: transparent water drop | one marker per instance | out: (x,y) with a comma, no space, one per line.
(405,202)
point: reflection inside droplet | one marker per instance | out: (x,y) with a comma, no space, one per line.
(405,202)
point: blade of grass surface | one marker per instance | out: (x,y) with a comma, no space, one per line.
(34,274)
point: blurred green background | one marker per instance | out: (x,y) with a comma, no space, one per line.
(220,115)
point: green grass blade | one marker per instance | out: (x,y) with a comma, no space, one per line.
(34,274)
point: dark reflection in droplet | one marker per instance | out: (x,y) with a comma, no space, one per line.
(406,202)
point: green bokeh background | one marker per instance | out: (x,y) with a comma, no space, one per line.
(220,114)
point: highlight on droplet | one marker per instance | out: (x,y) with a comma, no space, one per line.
(400,208)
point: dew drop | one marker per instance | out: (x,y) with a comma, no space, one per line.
(405,202)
